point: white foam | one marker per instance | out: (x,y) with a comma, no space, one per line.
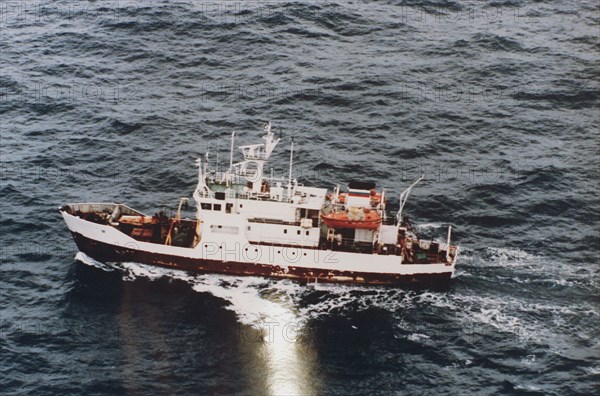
(525,267)
(429,225)
(416,337)
(530,388)
(243,294)
(136,270)
(87,260)
(511,257)
(592,370)
(528,360)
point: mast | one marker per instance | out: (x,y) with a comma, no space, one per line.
(206,163)
(255,156)
(199,165)
(231,153)
(448,243)
(217,163)
(382,205)
(289,186)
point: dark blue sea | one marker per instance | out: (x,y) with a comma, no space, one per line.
(496,103)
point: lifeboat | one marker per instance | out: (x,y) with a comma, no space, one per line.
(359,218)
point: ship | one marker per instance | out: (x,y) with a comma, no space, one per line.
(250,223)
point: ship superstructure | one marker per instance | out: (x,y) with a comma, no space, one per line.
(245,205)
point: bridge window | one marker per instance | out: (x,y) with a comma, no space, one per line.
(217,207)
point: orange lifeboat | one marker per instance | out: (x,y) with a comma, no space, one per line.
(360,218)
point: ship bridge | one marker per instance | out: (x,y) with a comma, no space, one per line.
(250,196)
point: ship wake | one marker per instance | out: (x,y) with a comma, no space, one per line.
(284,311)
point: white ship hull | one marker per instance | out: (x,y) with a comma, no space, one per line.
(238,256)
